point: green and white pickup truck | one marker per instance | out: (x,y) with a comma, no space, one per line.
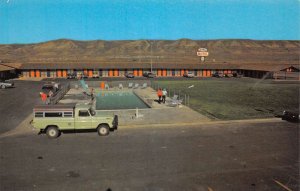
(54,119)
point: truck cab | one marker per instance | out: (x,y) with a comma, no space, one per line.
(54,119)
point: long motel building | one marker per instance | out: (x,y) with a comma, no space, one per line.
(116,70)
(61,70)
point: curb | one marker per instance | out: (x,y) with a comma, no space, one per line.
(250,121)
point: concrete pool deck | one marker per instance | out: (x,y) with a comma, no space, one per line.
(157,114)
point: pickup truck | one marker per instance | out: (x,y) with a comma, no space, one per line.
(55,119)
(188,74)
(149,75)
(6,84)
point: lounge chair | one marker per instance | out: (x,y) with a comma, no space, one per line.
(121,86)
(106,86)
(130,85)
(136,86)
(144,86)
(84,85)
(174,101)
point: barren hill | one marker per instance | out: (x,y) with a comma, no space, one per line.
(171,51)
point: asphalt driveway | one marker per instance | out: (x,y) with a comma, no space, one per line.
(229,156)
(17,103)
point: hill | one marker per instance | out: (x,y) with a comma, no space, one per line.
(171,51)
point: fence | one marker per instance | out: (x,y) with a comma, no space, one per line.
(173,91)
(286,75)
(111,84)
(59,94)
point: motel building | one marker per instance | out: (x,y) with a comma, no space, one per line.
(119,70)
(50,70)
(60,70)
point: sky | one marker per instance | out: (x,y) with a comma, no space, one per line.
(33,21)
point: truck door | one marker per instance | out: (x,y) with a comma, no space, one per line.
(84,120)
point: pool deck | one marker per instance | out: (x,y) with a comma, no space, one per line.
(156,115)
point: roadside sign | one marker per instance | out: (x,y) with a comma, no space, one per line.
(202,53)
(202,50)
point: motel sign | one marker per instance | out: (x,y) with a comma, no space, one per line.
(202,52)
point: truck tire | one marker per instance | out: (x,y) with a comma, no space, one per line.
(103,130)
(52,132)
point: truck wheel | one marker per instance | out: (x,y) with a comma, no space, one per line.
(52,132)
(3,86)
(103,130)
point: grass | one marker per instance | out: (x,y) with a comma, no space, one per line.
(236,98)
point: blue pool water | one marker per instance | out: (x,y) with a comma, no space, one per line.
(118,100)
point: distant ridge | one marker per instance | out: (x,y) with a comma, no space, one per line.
(171,51)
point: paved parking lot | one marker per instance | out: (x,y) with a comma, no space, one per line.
(233,155)
(221,156)
(17,103)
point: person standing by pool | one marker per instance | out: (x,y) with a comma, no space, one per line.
(159,94)
(164,95)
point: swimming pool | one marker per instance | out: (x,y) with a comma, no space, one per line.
(118,100)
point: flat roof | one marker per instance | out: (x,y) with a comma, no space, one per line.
(5,68)
(126,65)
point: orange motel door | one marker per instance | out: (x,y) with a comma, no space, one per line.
(37,73)
(181,72)
(116,72)
(140,72)
(32,73)
(64,73)
(208,73)
(159,72)
(164,72)
(90,73)
(85,72)
(110,73)
(58,73)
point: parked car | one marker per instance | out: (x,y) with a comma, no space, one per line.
(237,75)
(55,119)
(6,84)
(218,75)
(71,76)
(95,75)
(290,116)
(228,75)
(129,75)
(189,74)
(81,75)
(149,74)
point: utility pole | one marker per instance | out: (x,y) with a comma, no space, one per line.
(151,56)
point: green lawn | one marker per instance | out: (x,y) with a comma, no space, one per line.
(236,98)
